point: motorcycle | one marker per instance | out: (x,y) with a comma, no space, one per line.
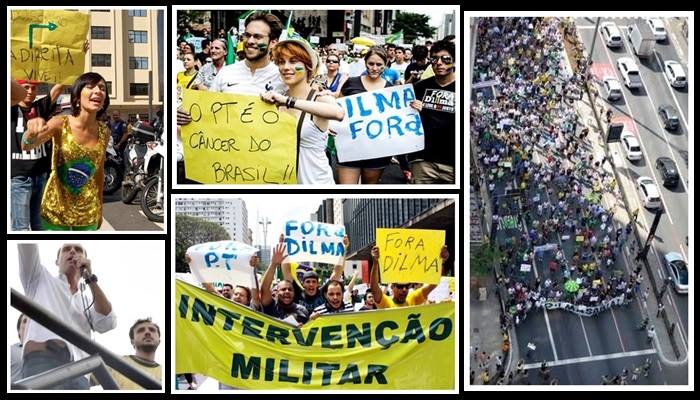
(114,169)
(153,197)
(135,175)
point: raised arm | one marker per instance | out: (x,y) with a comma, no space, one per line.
(266,285)
(444,255)
(286,267)
(374,276)
(338,269)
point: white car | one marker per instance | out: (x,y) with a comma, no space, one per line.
(612,89)
(611,34)
(630,72)
(631,146)
(649,192)
(657,27)
(675,74)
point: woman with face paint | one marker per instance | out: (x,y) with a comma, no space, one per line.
(73,196)
(365,171)
(297,63)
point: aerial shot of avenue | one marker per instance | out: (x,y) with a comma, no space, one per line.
(579,200)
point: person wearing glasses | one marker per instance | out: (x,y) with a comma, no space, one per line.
(436,162)
(334,78)
(400,295)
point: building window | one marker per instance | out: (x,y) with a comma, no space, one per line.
(101,60)
(137,13)
(138,37)
(138,89)
(109,88)
(138,62)
(100,32)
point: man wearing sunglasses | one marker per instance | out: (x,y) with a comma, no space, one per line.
(400,296)
(436,104)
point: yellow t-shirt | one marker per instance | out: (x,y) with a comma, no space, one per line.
(415,298)
(127,384)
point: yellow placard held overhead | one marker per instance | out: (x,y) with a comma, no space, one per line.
(237,139)
(48,45)
(399,348)
(410,255)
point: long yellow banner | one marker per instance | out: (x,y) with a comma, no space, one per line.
(401,348)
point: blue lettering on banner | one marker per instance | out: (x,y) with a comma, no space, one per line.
(318,242)
(212,258)
(376,124)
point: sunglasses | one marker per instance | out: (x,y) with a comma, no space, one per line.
(402,286)
(332,61)
(444,59)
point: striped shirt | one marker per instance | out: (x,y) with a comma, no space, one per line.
(328,309)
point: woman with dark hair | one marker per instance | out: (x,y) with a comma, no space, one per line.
(73,196)
(365,171)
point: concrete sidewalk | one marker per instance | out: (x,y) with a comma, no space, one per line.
(485,331)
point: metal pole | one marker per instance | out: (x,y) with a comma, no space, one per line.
(642,254)
(43,317)
(595,35)
(53,377)
(150,96)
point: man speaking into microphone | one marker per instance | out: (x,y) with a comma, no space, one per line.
(66,298)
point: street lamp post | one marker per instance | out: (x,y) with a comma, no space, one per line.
(264,222)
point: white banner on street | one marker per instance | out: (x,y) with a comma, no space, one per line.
(314,241)
(226,261)
(378,124)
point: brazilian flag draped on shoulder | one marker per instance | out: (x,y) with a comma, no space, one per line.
(400,348)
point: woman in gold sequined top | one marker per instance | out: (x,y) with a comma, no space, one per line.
(73,196)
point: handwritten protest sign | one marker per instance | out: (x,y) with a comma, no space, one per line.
(377,124)
(410,255)
(47,45)
(196,42)
(237,139)
(225,261)
(314,241)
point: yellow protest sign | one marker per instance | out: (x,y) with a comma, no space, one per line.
(48,45)
(410,255)
(237,139)
(399,348)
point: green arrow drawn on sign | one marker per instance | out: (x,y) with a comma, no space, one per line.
(50,25)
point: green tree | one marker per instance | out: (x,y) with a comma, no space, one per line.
(413,25)
(190,231)
(482,260)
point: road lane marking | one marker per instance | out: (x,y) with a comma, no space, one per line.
(551,337)
(588,345)
(601,357)
(628,105)
(619,335)
(668,85)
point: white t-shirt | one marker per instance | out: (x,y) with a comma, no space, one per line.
(53,293)
(238,78)
(400,68)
